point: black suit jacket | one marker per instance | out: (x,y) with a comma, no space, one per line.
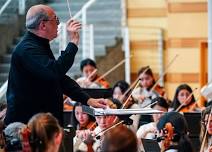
(37,81)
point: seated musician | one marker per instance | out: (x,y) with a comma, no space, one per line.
(119,139)
(119,93)
(174,133)
(148,131)
(143,93)
(90,77)
(184,98)
(206,130)
(88,136)
(81,120)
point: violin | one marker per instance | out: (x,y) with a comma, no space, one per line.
(159,90)
(167,137)
(169,133)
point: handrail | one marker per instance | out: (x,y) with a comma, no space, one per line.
(4,6)
(85,7)
(3,89)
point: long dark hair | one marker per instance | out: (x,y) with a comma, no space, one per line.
(180,130)
(203,124)
(74,121)
(147,72)
(123,85)
(176,102)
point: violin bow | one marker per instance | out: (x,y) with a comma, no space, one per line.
(178,109)
(112,69)
(166,70)
(205,133)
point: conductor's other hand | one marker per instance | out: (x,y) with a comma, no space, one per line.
(97,103)
(73,28)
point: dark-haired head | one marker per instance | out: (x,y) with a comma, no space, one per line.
(77,110)
(180,127)
(181,90)
(87,62)
(119,89)
(146,77)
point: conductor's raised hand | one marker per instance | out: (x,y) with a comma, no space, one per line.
(73,28)
(97,103)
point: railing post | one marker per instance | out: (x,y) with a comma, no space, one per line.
(62,37)
(160,52)
(84,33)
(22,7)
(91,43)
(126,49)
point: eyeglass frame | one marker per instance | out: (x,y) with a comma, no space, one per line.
(54,19)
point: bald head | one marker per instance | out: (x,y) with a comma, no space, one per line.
(36,14)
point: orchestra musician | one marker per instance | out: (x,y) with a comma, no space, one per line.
(148,131)
(88,80)
(206,129)
(184,97)
(119,92)
(88,136)
(173,133)
(144,93)
(81,120)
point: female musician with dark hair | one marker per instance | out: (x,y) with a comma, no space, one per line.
(206,130)
(119,93)
(90,76)
(145,92)
(173,129)
(148,131)
(81,120)
(183,97)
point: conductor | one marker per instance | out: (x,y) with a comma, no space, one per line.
(37,81)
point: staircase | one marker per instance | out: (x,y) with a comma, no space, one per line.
(105,15)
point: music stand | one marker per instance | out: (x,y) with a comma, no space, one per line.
(150,145)
(98,92)
(193,119)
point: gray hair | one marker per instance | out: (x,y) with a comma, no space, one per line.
(33,21)
(13,129)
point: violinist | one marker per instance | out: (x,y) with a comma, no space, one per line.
(183,96)
(119,93)
(206,128)
(81,120)
(144,93)
(173,133)
(103,123)
(88,68)
(148,131)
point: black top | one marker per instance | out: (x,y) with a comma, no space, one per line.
(37,81)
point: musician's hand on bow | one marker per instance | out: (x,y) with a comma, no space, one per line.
(97,103)
(73,28)
(142,98)
(85,135)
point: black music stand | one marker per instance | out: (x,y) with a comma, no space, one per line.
(193,119)
(99,92)
(150,145)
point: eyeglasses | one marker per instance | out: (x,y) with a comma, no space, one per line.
(54,19)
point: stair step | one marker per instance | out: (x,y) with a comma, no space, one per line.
(4,68)
(3,77)
(6,58)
